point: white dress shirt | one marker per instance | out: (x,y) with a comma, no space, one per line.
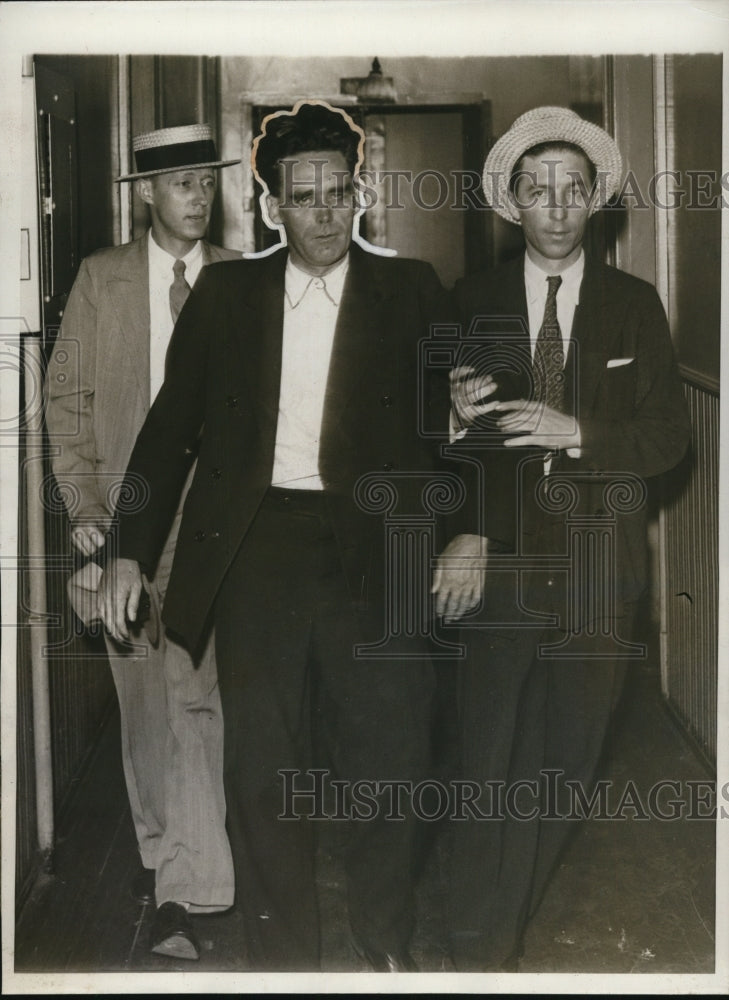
(568,295)
(161,277)
(311,307)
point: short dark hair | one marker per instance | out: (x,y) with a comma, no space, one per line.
(551,146)
(308,127)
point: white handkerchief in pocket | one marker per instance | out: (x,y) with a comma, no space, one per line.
(617,362)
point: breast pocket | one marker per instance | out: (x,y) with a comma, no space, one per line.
(619,386)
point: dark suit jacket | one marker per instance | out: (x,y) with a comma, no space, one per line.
(632,416)
(223,375)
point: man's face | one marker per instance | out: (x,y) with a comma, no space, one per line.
(180,205)
(316,207)
(552,202)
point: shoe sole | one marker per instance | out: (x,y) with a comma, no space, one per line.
(177,946)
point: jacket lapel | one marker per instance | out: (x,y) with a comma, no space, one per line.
(511,293)
(128,291)
(258,352)
(591,337)
(361,319)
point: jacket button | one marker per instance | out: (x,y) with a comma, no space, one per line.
(388,466)
(215,534)
(387,400)
(199,536)
(231,401)
(216,473)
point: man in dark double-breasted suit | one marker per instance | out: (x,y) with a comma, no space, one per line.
(565,401)
(300,372)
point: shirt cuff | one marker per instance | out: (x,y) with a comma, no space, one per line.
(455,431)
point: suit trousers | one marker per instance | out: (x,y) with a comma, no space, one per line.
(285,630)
(521,717)
(172,754)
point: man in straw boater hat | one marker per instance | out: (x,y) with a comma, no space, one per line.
(565,399)
(299,369)
(107,365)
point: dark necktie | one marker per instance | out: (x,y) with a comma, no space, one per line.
(179,289)
(549,353)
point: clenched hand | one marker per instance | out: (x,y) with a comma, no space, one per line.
(459,576)
(118,596)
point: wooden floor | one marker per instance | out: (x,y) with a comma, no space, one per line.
(632,895)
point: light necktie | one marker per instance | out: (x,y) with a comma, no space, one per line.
(179,289)
(549,353)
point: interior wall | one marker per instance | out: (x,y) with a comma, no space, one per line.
(692,137)
(439,232)
(696,89)
(513,84)
(668,118)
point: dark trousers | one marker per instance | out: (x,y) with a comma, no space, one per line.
(520,716)
(285,632)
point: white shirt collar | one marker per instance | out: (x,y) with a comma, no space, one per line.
(298,282)
(536,285)
(163,261)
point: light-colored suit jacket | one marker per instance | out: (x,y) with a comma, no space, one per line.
(97,385)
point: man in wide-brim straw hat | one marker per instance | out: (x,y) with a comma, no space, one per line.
(106,367)
(567,392)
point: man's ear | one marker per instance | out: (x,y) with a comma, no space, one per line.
(145,189)
(272,204)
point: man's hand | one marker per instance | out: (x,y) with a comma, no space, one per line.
(537,425)
(467,392)
(88,538)
(459,576)
(118,596)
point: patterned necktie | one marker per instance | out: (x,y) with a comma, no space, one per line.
(179,289)
(549,353)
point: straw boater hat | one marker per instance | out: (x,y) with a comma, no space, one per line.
(550,125)
(166,149)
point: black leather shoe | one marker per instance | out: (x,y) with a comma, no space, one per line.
(143,884)
(387,961)
(172,934)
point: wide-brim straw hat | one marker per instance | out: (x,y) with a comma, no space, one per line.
(185,147)
(550,124)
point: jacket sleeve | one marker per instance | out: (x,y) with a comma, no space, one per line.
(436,310)
(487,471)
(167,443)
(69,401)
(647,431)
